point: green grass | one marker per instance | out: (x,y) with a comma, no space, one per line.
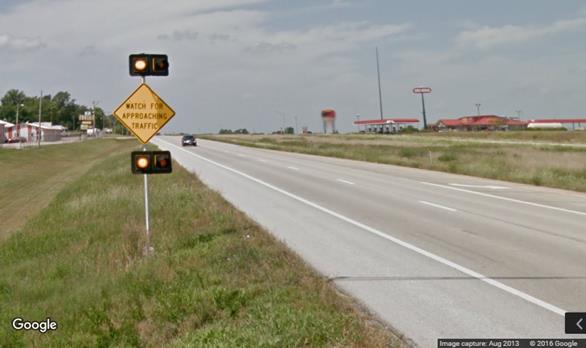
(30,178)
(216,279)
(553,166)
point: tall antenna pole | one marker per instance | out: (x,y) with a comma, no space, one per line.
(380,93)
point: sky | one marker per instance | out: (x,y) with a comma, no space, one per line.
(262,64)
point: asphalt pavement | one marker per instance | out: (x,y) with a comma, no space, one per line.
(434,255)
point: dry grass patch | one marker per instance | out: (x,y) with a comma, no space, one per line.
(30,178)
(553,166)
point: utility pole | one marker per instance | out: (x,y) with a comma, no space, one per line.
(94,103)
(296,125)
(478,105)
(380,93)
(17,129)
(18,105)
(282,114)
(39,133)
(284,122)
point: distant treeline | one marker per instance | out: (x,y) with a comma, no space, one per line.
(229,131)
(59,108)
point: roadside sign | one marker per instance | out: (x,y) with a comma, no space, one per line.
(88,116)
(144,113)
(421,90)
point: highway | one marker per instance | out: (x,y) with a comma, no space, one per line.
(434,255)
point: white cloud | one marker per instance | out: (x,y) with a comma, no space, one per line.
(89,50)
(180,35)
(326,40)
(342,3)
(267,47)
(488,37)
(20,43)
(353,32)
(218,49)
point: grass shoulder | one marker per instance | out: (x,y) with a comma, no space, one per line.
(216,279)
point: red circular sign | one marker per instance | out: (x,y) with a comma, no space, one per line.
(419,90)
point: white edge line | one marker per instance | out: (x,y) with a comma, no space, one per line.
(346,181)
(492,187)
(397,241)
(293,168)
(438,206)
(505,198)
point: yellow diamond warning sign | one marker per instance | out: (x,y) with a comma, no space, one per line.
(144,113)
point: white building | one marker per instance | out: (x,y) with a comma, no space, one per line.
(31,131)
(48,131)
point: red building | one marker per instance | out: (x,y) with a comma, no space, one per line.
(482,122)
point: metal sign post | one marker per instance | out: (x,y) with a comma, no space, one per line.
(424,115)
(423,91)
(148,248)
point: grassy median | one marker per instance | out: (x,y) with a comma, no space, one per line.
(216,279)
(544,165)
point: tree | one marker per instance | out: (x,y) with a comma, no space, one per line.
(13,97)
(100,117)
(117,127)
(64,109)
(62,99)
(60,108)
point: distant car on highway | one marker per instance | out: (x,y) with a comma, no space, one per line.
(188,140)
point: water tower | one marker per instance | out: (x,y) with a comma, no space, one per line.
(328,117)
